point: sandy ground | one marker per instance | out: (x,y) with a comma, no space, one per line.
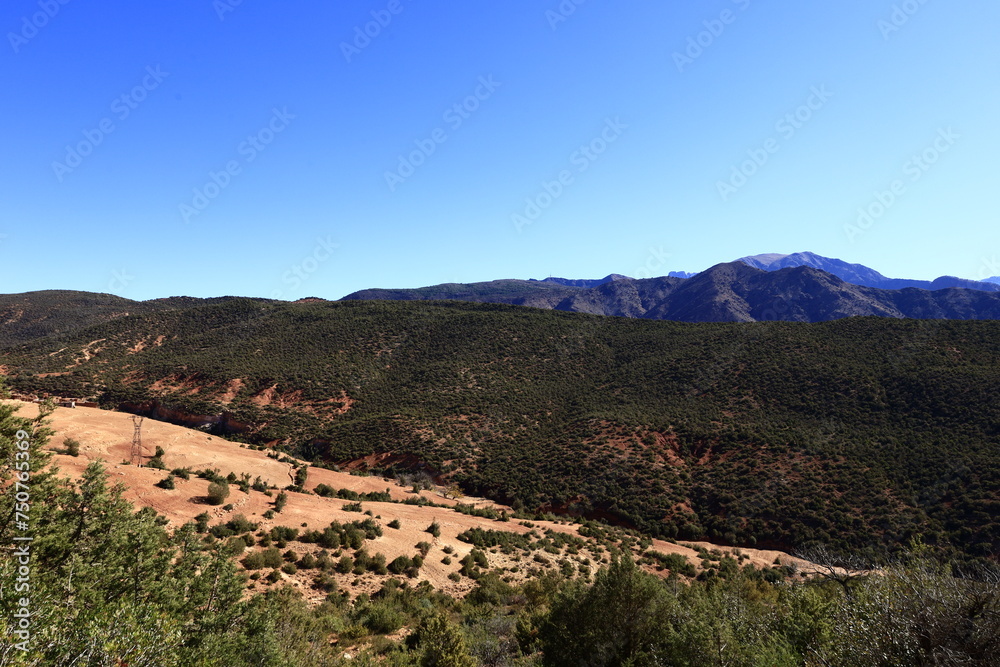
(107,436)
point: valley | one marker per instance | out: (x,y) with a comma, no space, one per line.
(377,480)
(106,437)
(859,434)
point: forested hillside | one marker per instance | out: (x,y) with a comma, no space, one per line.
(861,433)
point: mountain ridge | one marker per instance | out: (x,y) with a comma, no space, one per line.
(730,292)
(860,274)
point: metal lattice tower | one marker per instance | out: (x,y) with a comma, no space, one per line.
(137,452)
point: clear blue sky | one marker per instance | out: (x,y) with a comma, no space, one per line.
(311,132)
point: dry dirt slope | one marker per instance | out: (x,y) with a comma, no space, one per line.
(107,436)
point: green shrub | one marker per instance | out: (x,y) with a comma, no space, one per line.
(400,564)
(442,643)
(71,446)
(284,533)
(280,501)
(382,619)
(218,492)
(240,524)
(272,558)
(377,564)
(254,561)
(325,491)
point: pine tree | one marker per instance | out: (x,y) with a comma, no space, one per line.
(443,644)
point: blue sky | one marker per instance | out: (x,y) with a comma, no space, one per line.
(266,149)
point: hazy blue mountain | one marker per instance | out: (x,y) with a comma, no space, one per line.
(859,274)
(737,292)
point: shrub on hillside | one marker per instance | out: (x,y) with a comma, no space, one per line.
(400,564)
(218,492)
(71,447)
(272,557)
(254,561)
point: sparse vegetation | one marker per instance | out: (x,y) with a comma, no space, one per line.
(678,461)
(864,417)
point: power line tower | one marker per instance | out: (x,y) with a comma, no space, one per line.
(137,452)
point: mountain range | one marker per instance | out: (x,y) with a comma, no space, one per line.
(859,274)
(803,287)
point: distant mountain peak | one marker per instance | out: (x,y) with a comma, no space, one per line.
(764,260)
(859,274)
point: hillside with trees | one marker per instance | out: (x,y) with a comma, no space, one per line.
(114,584)
(860,434)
